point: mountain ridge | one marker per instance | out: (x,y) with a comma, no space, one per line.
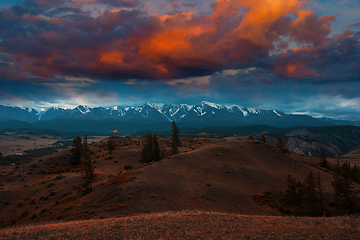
(202,114)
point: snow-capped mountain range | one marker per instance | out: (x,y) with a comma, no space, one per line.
(202,114)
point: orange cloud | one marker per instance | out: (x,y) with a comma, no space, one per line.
(114,56)
(296,70)
(130,44)
(308,27)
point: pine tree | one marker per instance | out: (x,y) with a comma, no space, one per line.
(345,170)
(320,189)
(88,167)
(345,196)
(155,148)
(294,193)
(310,192)
(146,153)
(337,167)
(355,172)
(263,138)
(175,141)
(76,151)
(281,144)
(323,161)
(151,151)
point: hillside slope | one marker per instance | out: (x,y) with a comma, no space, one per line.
(353,157)
(207,175)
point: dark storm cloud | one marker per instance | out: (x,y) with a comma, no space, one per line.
(337,59)
(48,38)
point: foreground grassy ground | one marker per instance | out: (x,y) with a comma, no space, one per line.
(193,225)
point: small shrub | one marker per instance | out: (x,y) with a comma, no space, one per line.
(34,216)
(20,204)
(58,177)
(52,194)
(24,214)
(128,166)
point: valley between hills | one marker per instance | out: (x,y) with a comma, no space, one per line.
(213,188)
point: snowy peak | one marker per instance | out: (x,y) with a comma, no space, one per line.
(18,113)
(199,115)
(52,113)
(83,109)
(213,105)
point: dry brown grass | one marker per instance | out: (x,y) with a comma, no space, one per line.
(207,175)
(193,225)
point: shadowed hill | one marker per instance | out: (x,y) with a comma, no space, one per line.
(219,177)
(207,175)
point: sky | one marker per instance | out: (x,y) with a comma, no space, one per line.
(294,56)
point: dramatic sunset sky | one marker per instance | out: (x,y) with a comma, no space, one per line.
(289,55)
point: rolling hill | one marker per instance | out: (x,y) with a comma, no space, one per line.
(207,175)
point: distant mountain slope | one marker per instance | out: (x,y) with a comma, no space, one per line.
(354,153)
(333,141)
(203,114)
(20,114)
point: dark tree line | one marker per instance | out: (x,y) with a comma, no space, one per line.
(307,197)
(81,155)
(344,169)
(151,150)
